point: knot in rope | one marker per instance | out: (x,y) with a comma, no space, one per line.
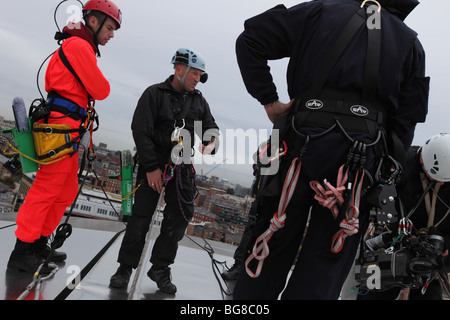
(350,224)
(261,248)
(329,196)
(277,223)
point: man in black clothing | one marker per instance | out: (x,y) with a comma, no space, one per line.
(162,107)
(424,165)
(320,125)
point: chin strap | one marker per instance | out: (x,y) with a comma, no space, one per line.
(182,79)
(95,34)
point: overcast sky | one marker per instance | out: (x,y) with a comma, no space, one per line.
(140,56)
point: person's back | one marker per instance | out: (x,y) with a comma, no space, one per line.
(321,129)
(305,33)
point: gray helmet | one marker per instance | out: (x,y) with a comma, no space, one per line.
(190,58)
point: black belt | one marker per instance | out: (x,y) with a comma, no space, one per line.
(333,105)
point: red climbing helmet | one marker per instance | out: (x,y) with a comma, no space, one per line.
(106,6)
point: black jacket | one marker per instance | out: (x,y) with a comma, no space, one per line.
(153,121)
(305,34)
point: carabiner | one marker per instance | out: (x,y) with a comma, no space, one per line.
(176,133)
(364,2)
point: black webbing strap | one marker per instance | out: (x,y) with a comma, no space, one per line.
(54,152)
(369,91)
(336,51)
(372,65)
(66,62)
(49,130)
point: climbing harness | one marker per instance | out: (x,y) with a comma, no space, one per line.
(333,110)
(53,143)
(54,140)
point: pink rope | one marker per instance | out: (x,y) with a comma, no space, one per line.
(261,248)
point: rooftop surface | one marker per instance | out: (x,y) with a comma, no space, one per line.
(92,251)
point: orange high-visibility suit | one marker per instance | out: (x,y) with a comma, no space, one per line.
(56,185)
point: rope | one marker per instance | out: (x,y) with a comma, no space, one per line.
(179,187)
(350,224)
(224,288)
(329,196)
(261,249)
(128,194)
(17,151)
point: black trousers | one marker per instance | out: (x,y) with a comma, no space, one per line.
(173,225)
(318,273)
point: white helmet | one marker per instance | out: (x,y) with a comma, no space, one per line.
(435,157)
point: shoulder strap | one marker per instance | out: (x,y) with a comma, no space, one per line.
(180,108)
(372,65)
(353,25)
(66,62)
(372,57)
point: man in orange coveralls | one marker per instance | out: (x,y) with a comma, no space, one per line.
(56,184)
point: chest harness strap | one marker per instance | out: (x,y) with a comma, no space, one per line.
(353,169)
(53,140)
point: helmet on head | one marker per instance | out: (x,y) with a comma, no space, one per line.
(435,157)
(107,7)
(190,58)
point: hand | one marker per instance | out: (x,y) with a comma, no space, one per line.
(276,109)
(154,179)
(207,149)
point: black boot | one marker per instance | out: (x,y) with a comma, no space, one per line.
(162,278)
(232,273)
(24,258)
(43,250)
(121,278)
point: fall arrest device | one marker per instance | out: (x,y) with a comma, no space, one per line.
(333,110)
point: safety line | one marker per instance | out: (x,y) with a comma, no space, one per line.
(66,291)
(8,226)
